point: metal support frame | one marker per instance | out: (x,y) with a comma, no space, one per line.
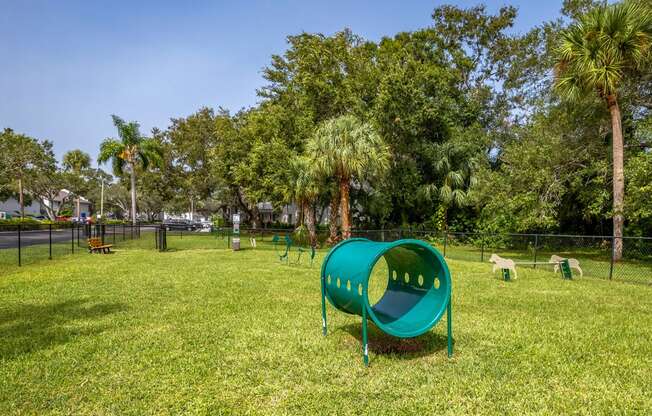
(365,338)
(506,275)
(323,307)
(565,269)
(449,326)
(365,344)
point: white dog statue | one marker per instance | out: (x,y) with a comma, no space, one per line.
(501,263)
(573,263)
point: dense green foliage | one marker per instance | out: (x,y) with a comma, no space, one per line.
(478,136)
(132,151)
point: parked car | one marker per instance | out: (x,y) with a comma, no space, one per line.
(177,224)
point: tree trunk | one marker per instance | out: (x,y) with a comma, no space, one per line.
(344,208)
(319,217)
(78,209)
(255,216)
(21,198)
(241,202)
(300,213)
(332,217)
(309,216)
(618,177)
(133,193)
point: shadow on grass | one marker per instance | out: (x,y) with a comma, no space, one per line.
(381,343)
(27,328)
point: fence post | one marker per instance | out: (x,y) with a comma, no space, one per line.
(536,244)
(482,248)
(50,241)
(72,238)
(19,247)
(445,242)
(613,254)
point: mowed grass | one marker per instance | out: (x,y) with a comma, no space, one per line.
(212,331)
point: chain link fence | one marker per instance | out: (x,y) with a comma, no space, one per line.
(595,254)
(20,245)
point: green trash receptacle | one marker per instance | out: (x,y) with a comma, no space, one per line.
(417,295)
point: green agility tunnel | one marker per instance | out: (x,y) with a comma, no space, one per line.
(417,295)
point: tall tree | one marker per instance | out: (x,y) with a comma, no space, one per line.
(347,149)
(599,53)
(454,166)
(191,140)
(77,162)
(131,151)
(21,155)
(305,191)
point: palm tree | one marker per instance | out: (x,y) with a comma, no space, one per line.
(598,54)
(347,149)
(454,167)
(131,151)
(77,161)
(305,191)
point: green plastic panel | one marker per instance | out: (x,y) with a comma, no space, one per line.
(411,304)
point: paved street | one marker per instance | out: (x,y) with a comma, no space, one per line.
(9,239)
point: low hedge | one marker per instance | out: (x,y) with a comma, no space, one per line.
(32,224)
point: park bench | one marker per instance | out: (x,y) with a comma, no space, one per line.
(95,245)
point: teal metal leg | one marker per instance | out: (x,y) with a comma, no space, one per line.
(364,336)
(323,307)
(449,322)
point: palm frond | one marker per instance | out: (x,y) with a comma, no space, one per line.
(602,47)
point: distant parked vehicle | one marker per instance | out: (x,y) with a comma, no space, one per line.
(175,224)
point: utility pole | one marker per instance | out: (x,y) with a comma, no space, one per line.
(102,201)
(192,209)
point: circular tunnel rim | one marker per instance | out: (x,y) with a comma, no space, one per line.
(369,268)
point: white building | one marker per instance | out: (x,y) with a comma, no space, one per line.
(84,204)
(12,207)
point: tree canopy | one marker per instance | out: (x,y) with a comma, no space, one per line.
(475,127)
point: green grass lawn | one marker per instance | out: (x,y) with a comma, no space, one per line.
(211,331)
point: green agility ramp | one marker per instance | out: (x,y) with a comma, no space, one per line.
(418,289)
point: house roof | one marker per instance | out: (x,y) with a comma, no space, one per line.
(63,194)
(265,207)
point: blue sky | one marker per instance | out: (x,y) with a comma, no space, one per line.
(65,66)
